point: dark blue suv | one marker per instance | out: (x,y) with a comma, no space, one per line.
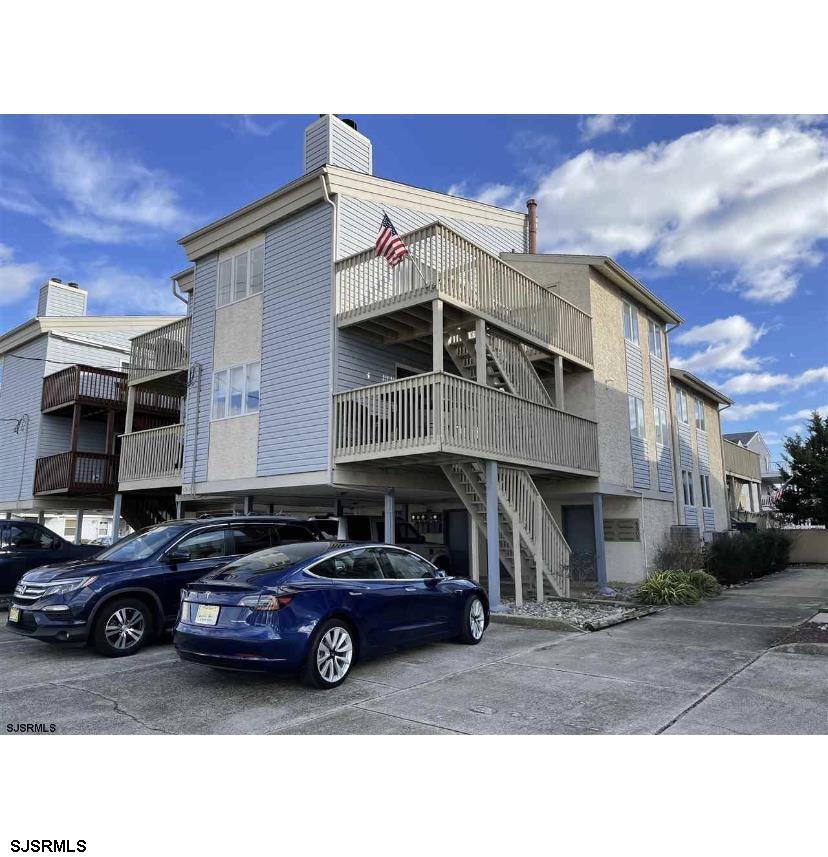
(130,593)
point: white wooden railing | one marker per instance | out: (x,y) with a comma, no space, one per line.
(438,412)
(457,270)
(152,454)
(162,350)
(516,367)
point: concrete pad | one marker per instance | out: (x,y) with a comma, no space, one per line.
(359,721)
(191,699)
(746,611)
(414,666)
(666,628)
(511,699)
(666,665)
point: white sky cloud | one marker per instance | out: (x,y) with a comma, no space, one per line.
(724,342)
(603,123)
(16,278)
(115,291)
(805,413)
(760,382)
(741,412)
(257,126)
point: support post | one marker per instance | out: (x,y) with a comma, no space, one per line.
(178,509)
(600,554)
(474,549)
(538,534)
(115,529)
(492,537)
(480,351)
(130,409)
(248,504)
(110,432)
(389,516)
(437,343)
(78,526)
(75,430)
(41,517)
(517,562)
(559,383)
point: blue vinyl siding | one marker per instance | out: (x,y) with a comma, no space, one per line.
(297,308)
(635,387)
(203,311)
(56,301)
(709,518)
(685,447)
(703,450)
(361,362)
(661,399)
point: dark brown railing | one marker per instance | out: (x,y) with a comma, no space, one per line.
(76,472)
(105,387)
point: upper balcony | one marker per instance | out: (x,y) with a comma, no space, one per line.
(160,358)
(384,300)
(152,458)
(69,473)
(438,414)
(741,462)
(100,390)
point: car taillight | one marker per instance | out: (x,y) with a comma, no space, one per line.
(266,602)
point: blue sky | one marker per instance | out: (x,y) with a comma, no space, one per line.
(726,218)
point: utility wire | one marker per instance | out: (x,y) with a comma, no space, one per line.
(75,363)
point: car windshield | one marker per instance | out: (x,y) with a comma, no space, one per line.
(273,559)
(142,544)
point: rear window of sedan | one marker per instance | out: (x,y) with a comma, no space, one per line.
(275,559)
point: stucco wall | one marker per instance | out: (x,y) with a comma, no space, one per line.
(233,445)
(238,334)
(809,545)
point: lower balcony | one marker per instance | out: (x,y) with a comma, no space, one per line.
(438,414)
(152,458)
(76,473)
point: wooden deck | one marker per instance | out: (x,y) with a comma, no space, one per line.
(152,455)
(76,473)
(161,354)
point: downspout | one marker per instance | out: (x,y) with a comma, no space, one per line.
(177,292)
(333,330)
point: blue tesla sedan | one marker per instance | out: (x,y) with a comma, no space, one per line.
(315,608)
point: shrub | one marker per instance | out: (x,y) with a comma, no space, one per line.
(748,554)
(677,554)
(667,587)
(705,584)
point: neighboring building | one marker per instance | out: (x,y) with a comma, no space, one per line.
(700,465)
(93,526)
(771,478)
(519,398)
(62,403)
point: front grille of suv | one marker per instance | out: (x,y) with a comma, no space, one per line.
(28,593)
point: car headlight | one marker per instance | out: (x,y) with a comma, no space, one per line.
(61,587)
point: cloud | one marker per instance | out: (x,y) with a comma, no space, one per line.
(84,189)
(760,382)
(725,342)
(749,199)
(599,124)
(502,195)
(16,278)
(246,123)
(805,413)
(116,291)
(741,412)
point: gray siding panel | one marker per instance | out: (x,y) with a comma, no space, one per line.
(203,311)
(691,516)
(685,448)
(661,399)
(20,394)
(293,418)
(635,370)
(658,380)
(703,450)
(635,387)
(359,221)
(664,466)
(349,151)
(316,146)
(709,520)
(361,362)
(57,301)
(640,464)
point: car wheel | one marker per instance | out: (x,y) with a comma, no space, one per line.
(122,627)
(330,656)
(474,621)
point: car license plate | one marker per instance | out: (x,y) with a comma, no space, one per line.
(14,614)
(207,614)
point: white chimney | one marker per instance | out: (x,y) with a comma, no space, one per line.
(331,140)
(59,298)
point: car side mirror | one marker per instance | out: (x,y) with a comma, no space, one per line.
(56,543)
(438,574)
(175,556)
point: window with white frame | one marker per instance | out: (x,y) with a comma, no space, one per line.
(637,428)
(654,338)
(700,415)
(236,391)
(687,485)
(630,323)
(661,426)
(240,275)
(681,405)
(705,491)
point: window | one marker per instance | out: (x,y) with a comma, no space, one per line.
(406,534)
(353,565)
(240,276)
(406,566)
(141,545)
(654,338)
(204,545)
(700,414)
(681,404)
(630,323)
(621,530)
(289,533)
(637,428)
(27,537)
(236,391)
(705,491)
(687,485)
(249,538)
(661,426)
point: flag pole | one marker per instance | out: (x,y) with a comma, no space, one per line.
(410,255)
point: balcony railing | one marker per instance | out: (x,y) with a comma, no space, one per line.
(96,386)
(441,413)
(455,269)
(162,351)
(75,473)
(741,462)
(152,454)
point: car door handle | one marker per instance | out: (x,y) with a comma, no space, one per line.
(356,593)
(410,588)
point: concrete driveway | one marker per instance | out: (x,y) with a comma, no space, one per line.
(707,669)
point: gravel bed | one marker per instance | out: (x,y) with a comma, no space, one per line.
(575,612)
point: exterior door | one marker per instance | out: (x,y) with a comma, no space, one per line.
(579,531)
(425,602)
(457,541)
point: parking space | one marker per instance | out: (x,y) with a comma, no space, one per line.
(707,669)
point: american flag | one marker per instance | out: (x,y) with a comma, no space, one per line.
(389,243)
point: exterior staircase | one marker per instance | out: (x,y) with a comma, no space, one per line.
(508,366)
(144,510)
(533,550)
